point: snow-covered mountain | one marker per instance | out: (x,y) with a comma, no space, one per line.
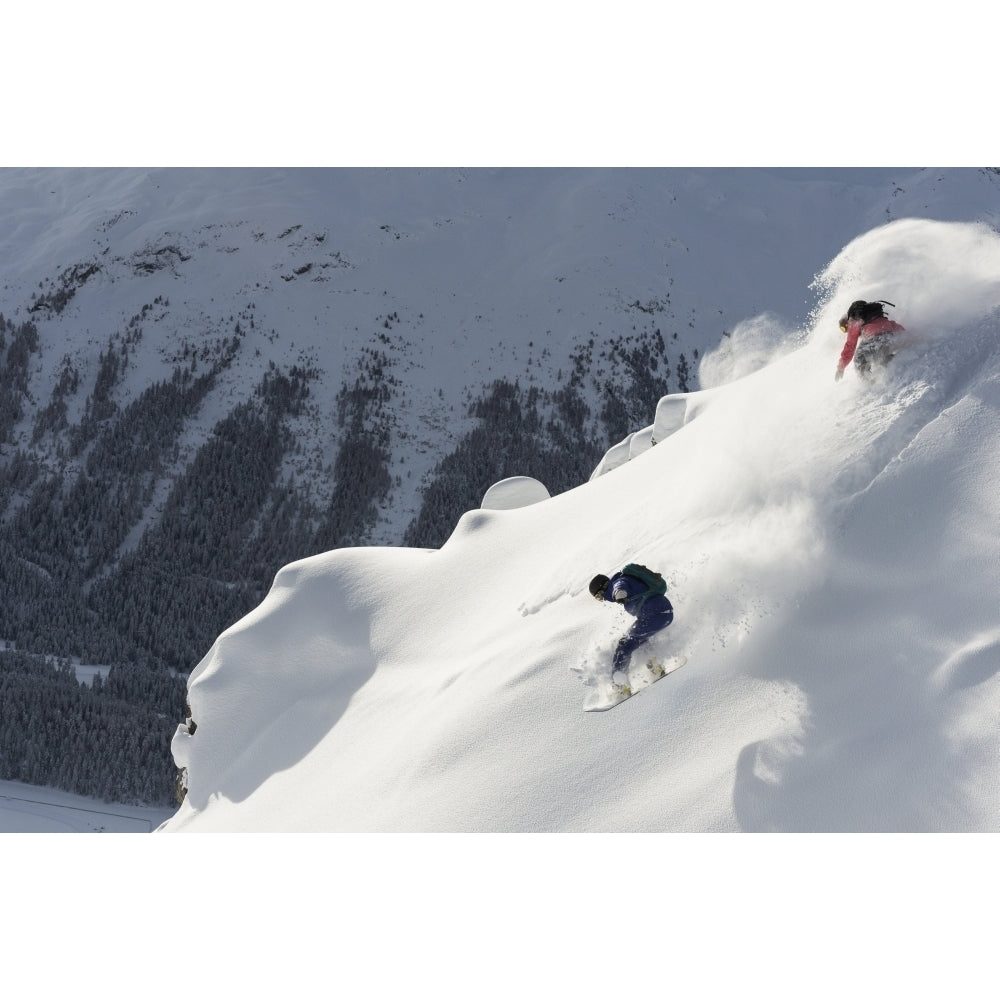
(311,346)
(831,554)
(211,373)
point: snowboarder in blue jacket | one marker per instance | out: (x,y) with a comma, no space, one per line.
(652,613)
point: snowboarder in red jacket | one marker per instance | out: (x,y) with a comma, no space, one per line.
(869,337)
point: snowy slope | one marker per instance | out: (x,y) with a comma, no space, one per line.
(831,554)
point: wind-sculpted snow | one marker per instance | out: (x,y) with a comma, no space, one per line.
(831,553)
(518,491)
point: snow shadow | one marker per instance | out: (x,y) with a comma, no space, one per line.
(973,664)
(872,756)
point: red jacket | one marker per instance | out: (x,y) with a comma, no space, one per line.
(857,329)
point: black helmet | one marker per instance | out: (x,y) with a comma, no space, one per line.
(598,585)
(857,309)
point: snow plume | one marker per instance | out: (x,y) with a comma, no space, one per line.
(752,345)
(941,276)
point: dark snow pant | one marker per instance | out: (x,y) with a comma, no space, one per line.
(874,352)
(656,614)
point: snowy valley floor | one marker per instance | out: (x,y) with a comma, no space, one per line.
(34,809)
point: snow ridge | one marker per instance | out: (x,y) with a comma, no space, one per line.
(830,553)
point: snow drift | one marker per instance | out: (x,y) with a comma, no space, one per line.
(831,553)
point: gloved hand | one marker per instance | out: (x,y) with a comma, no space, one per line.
(839,375)
(621,596)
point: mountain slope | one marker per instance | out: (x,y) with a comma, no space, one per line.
(208,374)
(829,551)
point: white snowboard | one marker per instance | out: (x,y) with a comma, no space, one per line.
(606,695)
